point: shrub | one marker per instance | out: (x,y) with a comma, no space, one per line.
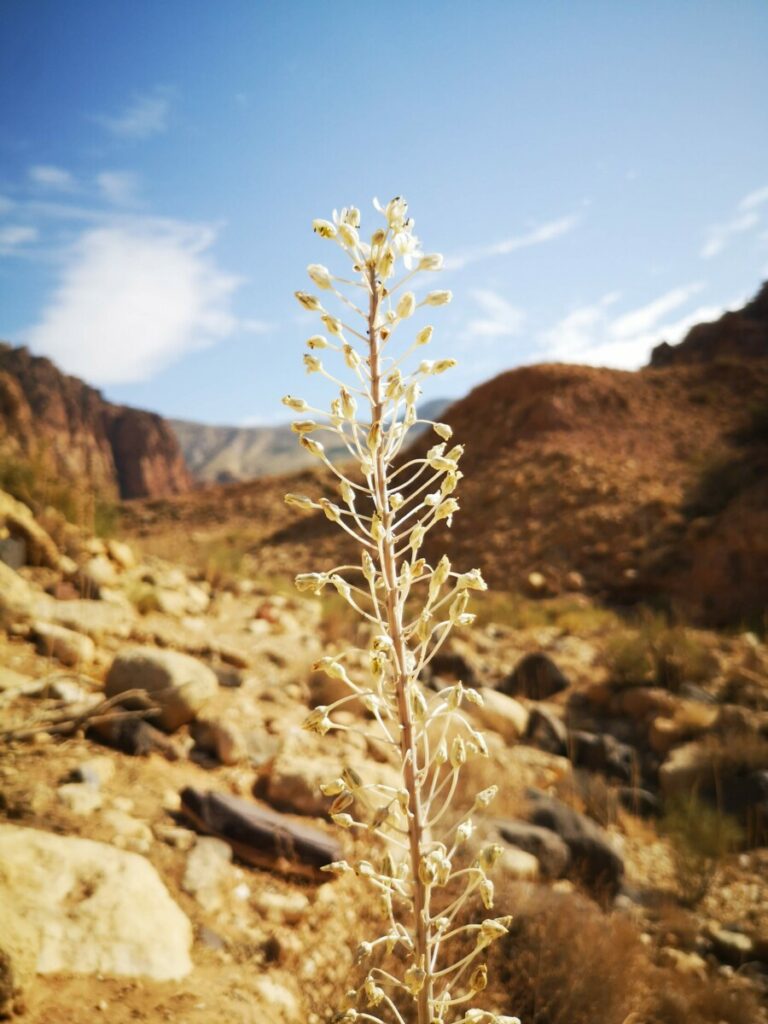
(701,836)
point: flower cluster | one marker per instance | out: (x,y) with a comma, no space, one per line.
(389,503)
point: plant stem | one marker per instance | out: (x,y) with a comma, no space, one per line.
(394,614)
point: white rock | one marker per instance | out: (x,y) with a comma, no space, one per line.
(179,684)
(64,644)
(99,572)
(207,871)
(121,553)
(75,906)
(503,714)
(79,797)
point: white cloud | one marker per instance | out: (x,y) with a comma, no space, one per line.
(13,236)
(146,115)
(118,187)
(754,199)
(132,299)
(590,336)
(501,319)
(721,234)
(745,218)
(546,232)
(48,176)
(646,317)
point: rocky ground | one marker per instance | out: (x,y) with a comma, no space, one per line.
(116,906)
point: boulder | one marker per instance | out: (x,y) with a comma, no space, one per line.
(63,644)
(593,857)
(547,731)
(74,906)
(536,677)
(603,753)
(549,849)
(515,864)
(503,714)
(17,599)
(179,684)
(19,523)
(121,554)
(98,572)
(221,737)
(93,618)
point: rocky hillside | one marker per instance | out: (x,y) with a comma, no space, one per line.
(225,454)
(161,821)
(630,485)
(742,334)
(55,426)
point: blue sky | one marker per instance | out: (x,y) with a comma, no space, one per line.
(596,174)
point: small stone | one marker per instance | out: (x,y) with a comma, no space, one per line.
(64,644)
(278,906)
(79,797)
(121,553)
(174,835)
(208,867)
(99,572)
(96,771)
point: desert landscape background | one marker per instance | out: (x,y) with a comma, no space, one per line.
(621,520)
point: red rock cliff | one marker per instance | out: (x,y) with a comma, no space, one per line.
(68,429)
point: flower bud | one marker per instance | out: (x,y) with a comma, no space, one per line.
(337,867)
(486,893)
(318,721)
(299,501)
(313,447)
(472,580)
(332,788)
(442,365)
(458,752)
(310,302)
(297,404)
(433,261)
(314,581)
(312,363)
(406,305)
(332,323)
(332,512)
(478,979)
(414,979)
(351,358)
(303,426)
(317,341)
(485,796)
(348,236)
(343,820)
(348,404)
(386,264)
(320,275)
(440,298)
(424,336)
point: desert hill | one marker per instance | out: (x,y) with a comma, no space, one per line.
(222,454)
(576,477)
(55,426)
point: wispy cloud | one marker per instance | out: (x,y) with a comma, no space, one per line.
(546,232)
(500,318)
(637,321)
(118,187)
(55,178)
(754,199)
(13,237)
(134,297)
(745,218)
(146,115)
(592,336)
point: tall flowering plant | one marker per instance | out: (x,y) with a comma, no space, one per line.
(388,504)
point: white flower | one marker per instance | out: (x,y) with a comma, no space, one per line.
(320,275)
(406,305)
(324,228)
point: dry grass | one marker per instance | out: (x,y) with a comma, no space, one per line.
(654,653)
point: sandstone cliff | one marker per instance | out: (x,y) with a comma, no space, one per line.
(66,430)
